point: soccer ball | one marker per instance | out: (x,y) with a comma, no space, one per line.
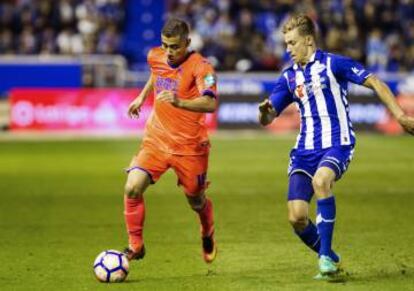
(111,266)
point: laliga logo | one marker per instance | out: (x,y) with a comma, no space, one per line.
(23,113)
(299,91)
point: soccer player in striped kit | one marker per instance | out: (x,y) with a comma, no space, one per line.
(317,84)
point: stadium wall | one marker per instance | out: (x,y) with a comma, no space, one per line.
(104,110)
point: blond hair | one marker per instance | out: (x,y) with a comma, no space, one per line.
(302,22)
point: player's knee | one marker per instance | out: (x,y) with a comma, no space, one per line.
(196,202)
(132,190)
(298,221)
(193,190)
(298,218)
(320,185)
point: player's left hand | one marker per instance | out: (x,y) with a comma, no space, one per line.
(407,122)
(167,96)
(265,106)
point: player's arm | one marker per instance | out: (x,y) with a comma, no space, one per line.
(280,98)
(387,97)
(354,72)
(135,106)
(203,103)
(266,112)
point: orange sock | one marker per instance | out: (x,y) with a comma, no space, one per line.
(134,212)
(206,218)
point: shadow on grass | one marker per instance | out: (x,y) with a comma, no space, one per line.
(283,277)
(217,277)
(379,275)
(166,279)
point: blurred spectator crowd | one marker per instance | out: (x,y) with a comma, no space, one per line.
(240,35)
(61,26)
(246,34)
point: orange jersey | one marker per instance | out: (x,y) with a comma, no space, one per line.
(171,129)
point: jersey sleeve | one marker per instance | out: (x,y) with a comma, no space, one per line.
(281,97)
(150,58)
(206,79)
(349,69)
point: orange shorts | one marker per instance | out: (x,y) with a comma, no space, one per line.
(190,170)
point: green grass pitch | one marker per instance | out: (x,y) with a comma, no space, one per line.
(61,204)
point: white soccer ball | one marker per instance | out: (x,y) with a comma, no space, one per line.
(111,266)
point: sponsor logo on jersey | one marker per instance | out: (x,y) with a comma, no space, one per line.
(357,72)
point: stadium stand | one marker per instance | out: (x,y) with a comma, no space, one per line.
(61,27)
(242,35)
(246,35)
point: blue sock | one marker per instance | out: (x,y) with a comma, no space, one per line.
(325,222)
(310,236)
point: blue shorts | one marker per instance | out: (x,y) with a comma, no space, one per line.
(306,163)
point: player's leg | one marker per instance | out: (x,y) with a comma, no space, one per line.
(144,169)
(192,176)
(326,213)
(300,193)
(134,211)
(331,167)
(204,208)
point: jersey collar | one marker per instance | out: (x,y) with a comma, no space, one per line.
(185,59)
(316,56)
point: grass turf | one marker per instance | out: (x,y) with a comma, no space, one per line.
(61,204)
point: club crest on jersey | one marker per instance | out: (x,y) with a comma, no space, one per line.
(209,80)
(300,91)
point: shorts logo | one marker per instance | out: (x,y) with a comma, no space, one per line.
(209,80)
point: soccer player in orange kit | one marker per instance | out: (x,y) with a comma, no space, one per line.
(184,86)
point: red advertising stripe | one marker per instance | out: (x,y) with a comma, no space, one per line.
(390,125)
(79,109)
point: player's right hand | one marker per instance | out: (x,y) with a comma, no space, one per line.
(266,112)
(135,108)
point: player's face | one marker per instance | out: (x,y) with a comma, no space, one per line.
(298,46)
(175,47)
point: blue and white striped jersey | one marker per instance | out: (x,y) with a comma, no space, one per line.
(319,91)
